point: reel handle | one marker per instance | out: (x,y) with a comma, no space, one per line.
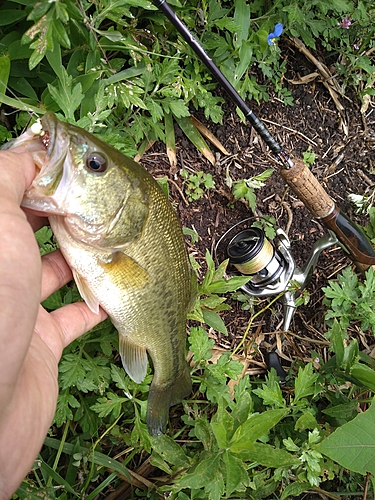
(320,204)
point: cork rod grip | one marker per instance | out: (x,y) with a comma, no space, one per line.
(300,179)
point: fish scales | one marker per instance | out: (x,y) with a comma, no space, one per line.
(124,243)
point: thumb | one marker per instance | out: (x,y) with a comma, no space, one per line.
(17,171)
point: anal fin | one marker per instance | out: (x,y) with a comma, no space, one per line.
(86,293)
(134,359)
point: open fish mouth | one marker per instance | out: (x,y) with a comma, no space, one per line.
(48,147)
(41,140)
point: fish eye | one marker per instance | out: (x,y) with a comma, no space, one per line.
(96,162)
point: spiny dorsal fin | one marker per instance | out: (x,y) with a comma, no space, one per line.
(134,359)
(86,293)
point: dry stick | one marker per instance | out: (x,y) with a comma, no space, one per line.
(327,78)
(366,486)
(290,130)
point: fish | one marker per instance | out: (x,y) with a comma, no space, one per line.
(123,241)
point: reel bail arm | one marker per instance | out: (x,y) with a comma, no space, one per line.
(271,266)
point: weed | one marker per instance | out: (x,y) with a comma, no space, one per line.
(308,156)
(196,184)
(245,188)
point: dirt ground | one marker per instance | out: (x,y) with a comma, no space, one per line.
(343,140)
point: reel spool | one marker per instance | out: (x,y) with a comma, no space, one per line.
(252,253)
(268,263)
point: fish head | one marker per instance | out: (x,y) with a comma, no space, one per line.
(98,192)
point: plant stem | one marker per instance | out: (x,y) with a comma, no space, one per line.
(59,451)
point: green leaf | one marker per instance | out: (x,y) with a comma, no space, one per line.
(225,367)
(222,425)
(4,73)
(20,104)
(212,301)
(200,344)
(54,59)
(263,39)
(239,189)
(49,472)
(306,421)
(364,374)
(335,335)
(120,378)
(271,392)
(245,57)
(170,451)
(254,428)
(64,413)
(269,456)
(72,368)
(236,474)
(203,432)
(28,491)
(214,321)
(111,404)
(22,86)
(242,19)
(346,411)
(177,107)
(54,301)
(304,384)
(295,489)
(243,407)
(195,137)
(203,474)
(9,17)
(351,355)
(67,95)
(230,285)
(157,461)
(93,456)
(353,444)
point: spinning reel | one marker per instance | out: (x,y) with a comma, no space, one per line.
(269,264)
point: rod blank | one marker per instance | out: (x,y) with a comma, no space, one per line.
(222,80)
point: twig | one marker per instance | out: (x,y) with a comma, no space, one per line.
(290,130)
(179,190)
(290,216)
(328,79)
(366,485)
(365,178)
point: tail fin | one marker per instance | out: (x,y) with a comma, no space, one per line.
(162,397)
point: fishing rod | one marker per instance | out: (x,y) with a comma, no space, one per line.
(294,172)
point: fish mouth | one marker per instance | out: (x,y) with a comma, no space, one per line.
(48,146)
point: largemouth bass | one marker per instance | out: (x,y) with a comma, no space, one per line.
(124,244)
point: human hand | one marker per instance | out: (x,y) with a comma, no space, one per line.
(31,339)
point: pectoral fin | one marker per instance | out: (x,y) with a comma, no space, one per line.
(86,293)
(134,359)
(123,269)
